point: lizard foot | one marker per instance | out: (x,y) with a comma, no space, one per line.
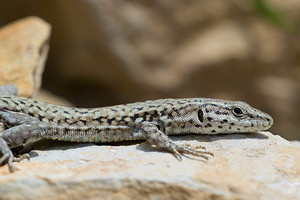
(8,157)
(200,151)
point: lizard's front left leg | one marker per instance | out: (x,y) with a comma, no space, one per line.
(156,137)
(22,129)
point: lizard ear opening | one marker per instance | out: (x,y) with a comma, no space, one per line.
(200,115)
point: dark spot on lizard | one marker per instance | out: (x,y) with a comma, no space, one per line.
(55,111)
(123,118)
(73,123)
(163,112)
(51,119)
(232,124)
(98,119)
(41,117)
(151,118)
(109,121)
(4,101)
(133,118)
(220,126)
(200,115)
(213,131)
(225,120)
(198,126)
(88,129)
(144,116)
(83,121)
(38,107)
(217,112)
(176,110)
(31,114)
(191,121)
(209,118)
(22,102)
(66,119)
(209,125)
(155,114)
(66,112)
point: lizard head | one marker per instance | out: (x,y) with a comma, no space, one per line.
(212,116)
(233,117)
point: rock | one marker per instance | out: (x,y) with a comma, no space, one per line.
(23,52)
(246,166)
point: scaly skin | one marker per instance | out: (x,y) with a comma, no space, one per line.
(28,120)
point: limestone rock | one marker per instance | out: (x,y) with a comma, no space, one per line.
(23,52)
(246,166)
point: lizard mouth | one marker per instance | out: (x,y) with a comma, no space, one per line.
(264,124)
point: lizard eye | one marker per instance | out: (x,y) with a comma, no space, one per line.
(237,111)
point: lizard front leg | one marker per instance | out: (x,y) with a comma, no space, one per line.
(22,129)
(156,137)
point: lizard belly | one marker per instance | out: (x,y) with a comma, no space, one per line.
(93,134)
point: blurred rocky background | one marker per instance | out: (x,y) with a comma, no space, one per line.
(111,52)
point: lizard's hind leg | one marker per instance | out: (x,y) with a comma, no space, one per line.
(22,129)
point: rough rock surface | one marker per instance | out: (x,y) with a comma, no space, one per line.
(245,166)
(23,52)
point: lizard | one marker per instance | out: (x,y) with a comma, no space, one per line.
(27,120)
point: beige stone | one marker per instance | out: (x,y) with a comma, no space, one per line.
(23,52)
(246,166)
